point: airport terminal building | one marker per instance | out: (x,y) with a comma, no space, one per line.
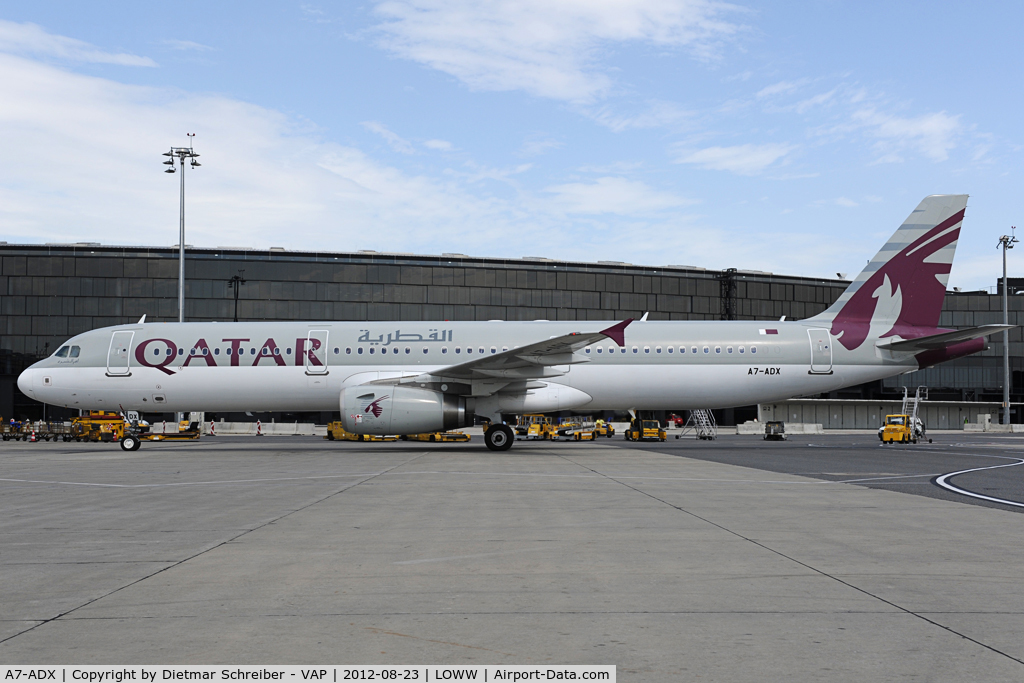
(52,292)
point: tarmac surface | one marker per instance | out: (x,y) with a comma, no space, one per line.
(736,560)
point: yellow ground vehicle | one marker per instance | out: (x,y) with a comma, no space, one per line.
(901,429)
(98,425)
(602,428)
(535,426)
(444,437)
(335,432)
(645,430)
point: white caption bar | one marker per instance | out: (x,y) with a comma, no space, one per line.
(313,674)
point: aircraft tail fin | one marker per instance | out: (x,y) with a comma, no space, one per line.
(905,283)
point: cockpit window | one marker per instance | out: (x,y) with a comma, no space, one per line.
(74,351)
(62,352)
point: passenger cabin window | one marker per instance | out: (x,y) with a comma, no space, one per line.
(62,352)
(693,349)
(634,349)
(718,349)
(753,349)
(669,349)
(707,349)
(336,351)
(741,349)
(587,349)
(657,349)
(729,349)
(372,350)
(408,350)
(600,349)
(360,350)
(348,350)
(425,349)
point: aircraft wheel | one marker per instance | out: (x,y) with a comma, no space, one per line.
(129,443)
(498,437)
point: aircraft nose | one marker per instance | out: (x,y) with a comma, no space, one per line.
(26,380)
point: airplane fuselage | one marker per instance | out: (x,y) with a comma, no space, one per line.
(304,366)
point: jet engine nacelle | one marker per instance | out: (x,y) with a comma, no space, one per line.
(369,409)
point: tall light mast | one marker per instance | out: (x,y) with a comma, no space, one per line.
(181,153)
(1006,242)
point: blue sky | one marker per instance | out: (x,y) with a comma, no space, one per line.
(786,137)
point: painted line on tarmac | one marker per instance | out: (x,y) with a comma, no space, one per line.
(943,481)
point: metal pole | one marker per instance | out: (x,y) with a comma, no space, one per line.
(181,250)
(1006,349)
(1006,242)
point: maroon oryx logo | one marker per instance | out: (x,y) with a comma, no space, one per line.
(909,280)
(375,408)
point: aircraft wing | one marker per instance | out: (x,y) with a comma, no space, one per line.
(938,341)
(517,369)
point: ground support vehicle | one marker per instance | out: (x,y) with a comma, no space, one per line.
(902,429)
(569,427)
(602,428)
(335,432)
(442,437)
(534,426)
(184,435)
(98,425)
(644,430)
(774,431)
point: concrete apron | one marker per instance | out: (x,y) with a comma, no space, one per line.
(671,568)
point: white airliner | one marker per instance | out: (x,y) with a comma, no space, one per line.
(414,377)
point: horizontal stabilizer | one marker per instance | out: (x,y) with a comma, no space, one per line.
(939,341)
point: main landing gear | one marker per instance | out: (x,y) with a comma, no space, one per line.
(498,437)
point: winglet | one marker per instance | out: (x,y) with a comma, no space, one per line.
(617,333)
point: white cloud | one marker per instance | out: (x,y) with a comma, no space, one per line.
(186,46)
(537,144)
(741,159)
(439,145)
(612,195)
(548,48)
(93,172)
(782,87)
(933,135)
(395,141)
(656,115)
(30,39)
